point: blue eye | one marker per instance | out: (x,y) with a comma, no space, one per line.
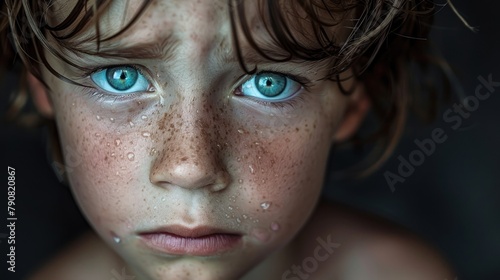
(120,80)
(270,86)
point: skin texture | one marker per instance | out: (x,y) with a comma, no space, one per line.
(195,152)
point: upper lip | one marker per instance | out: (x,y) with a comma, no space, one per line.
(189,232)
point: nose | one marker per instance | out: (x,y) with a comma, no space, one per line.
(190,157)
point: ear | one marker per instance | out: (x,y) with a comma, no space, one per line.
(40,96)
(358,105)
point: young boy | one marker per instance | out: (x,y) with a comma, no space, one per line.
(196,133)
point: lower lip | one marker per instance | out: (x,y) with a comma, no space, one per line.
(208,245)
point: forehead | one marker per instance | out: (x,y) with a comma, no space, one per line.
(203,24)
(113,15)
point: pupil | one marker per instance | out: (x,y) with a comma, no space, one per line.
(122,78)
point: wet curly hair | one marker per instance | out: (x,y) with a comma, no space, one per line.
(386,49)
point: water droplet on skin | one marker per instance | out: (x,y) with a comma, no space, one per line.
(131,124)
(113,154)
(261,234)
(163,199)
(155,207)
(244,216)
(240,181)
(251,169)
(275,226)
(112,120)
(73,104)
(265,205)
(152,152)
(117,239)
(146,134)
(241,131)
(118,142)
(230,208)
(227,216)
(238,159)
(162,100)
(97,135)
(144,117)
(238,220)
(98,118)
(131,156)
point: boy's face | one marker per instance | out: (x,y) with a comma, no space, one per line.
(200,151)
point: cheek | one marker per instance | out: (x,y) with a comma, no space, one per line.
(102,159)
(279,161)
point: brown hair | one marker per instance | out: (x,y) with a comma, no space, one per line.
(387,48)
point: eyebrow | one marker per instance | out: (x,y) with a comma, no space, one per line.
(163,49)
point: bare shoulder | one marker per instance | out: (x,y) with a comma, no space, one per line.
(344,243)
(86,258)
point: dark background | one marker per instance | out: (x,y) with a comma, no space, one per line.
(452,200)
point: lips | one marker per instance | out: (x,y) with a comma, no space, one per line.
(199,241)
